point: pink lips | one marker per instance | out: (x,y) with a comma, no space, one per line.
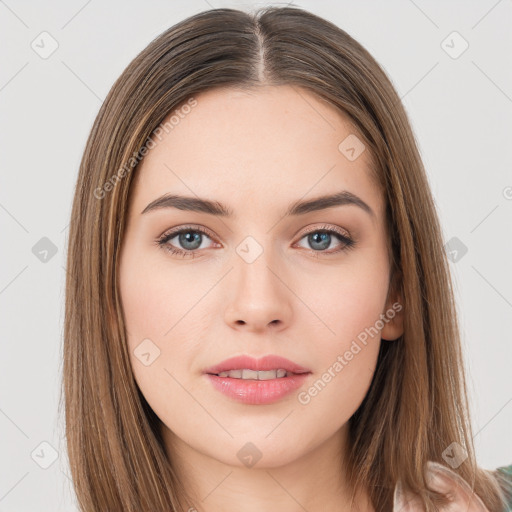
(257,392)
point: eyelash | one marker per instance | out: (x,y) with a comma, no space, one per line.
(162,241)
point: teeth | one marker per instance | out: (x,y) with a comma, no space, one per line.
(254,375)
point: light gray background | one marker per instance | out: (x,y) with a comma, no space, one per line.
(460,110)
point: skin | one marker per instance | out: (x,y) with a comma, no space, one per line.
(257,152)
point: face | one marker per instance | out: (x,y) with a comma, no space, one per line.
(310,286)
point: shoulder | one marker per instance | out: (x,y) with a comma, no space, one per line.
(507,470)
(506,473)
(446,481)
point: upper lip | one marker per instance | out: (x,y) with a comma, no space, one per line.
(271,362)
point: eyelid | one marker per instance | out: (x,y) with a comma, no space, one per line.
(185,227)
(327,227)
(196,227)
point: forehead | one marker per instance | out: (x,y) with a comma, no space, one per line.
(263,146)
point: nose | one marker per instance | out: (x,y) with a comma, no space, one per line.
(260,297)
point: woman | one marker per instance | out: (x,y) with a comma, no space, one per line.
(305,354)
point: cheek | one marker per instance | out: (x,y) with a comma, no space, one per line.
(155,304)
(154,299)
(347,318)
(344,305)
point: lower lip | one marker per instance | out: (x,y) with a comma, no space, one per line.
(257,392)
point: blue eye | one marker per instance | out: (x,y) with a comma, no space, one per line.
(321,239)
(190,238)
(184,237)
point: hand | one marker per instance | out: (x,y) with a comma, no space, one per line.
(442,479)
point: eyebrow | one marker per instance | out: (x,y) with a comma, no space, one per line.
(196,204)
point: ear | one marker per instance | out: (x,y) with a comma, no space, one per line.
(394,310)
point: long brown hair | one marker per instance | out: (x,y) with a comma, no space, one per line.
(416,405)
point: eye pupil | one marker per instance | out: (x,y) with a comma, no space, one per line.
(325,239)
(190,237)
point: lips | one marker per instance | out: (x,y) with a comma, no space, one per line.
(257,392)
(267,363)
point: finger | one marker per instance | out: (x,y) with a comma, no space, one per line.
(458,491)
(406,501)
